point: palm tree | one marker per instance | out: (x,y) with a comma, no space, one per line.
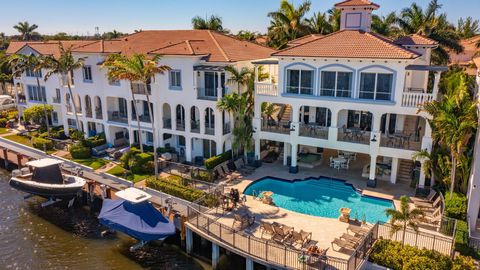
(404,217)
(112,35)
(385,25)
(240,77)
(468,28)
(247,35)
(212,23)
(25,29)
(319,24)
(20,63)
(268,109)
(454,120)
(288,22)
(137,68)
(414,20)
(64,66)
(334,19)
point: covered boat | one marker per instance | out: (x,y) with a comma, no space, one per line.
(135,216)
(47,180)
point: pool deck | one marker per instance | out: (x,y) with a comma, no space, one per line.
(324,230)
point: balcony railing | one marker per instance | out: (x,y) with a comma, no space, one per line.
(139,89)
(314,131)
(266,89)
(180,125)
(354,135)
(195,126)
(98,113)
(276,127)
(116,116)
(56,100)
(167,123)
(401,141)
(209,130)
(415,99)
(207,93)
(88,112)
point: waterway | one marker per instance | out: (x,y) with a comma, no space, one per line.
(54,237)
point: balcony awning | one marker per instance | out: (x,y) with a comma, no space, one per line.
(266,62)
(426,68)
(209,68)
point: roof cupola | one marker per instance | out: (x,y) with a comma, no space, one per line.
(356,14)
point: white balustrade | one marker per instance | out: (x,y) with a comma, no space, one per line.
(414,100)
(266,89)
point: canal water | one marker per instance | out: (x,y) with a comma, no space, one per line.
(32,237)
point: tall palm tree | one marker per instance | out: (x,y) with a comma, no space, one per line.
(137,68)
(385,25)
(334,17)
(239,77)
(415,20)
(404,217)
(454,120)
(468,28)
(289,20)
(247,35)
(64,66)
(20,63)
(25,29)
(214,23)
(319,24)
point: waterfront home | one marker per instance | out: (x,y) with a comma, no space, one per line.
(183,99)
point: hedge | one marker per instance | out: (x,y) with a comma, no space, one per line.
(95,141)
(81,152)
(3,122)
(393,255)
(214,161)
(141,163)
(456,207)
(174,189)
(42,144)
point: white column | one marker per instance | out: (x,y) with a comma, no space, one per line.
(373,167)
(219,146)
(394,170)
(188,149)
(286,151)
(421,179)
(108,138)
(293,166)
(202,120)
(219,86)
(436,81)
(215,256)
(248,264)
(188,123)
(188,241)
(257,149)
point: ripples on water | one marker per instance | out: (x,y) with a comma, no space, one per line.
(32,237)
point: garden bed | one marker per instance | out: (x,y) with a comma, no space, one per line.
(123,173)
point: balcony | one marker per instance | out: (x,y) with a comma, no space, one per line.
(209,130)
(401,140)
(56,100)
(415,97)
(207,94)
(354,135)
(180,125)
(266,89)
(167,123)
(276,127)
(98,113)
(314,131)
(119,117)
(195,126)
(88,112)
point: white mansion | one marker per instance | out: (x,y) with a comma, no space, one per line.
(352,90)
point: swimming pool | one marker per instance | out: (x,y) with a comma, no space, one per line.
(321,197)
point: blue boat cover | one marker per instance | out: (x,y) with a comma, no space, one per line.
(141,221)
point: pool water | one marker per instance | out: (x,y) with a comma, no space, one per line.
(322,197)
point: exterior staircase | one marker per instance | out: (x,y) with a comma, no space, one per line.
(287,111)
(405,169)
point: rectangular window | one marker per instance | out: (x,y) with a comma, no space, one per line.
(114,82)
(175,77)
(87,74)
(36,94)
(54,117)
(149,137)
(300,82)
(71,122)
(328,83)
(31,73)
(344,84)
(336,84)
(376,86)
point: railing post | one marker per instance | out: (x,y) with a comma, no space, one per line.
(248,244)
(285,257)
(266,250)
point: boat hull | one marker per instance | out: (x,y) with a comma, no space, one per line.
(65,192)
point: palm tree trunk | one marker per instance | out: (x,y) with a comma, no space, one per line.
(73,102)
(452,176)
(155,155)
(44,108)
(138,120)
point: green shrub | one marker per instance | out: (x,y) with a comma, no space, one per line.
(42,144)
(76,135)
(12,115)
(94,141)
(161,150)
(176,190)
(463,263)
(3,122)
(79,151)
(139,163)
(456,207)
(127,157)
(203,175)
(214,161)
(173,179)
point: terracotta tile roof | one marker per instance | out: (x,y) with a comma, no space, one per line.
(214,46)
(415,39)
(46,47)
(303,40)
(350,44)
(356,3)
(469,51)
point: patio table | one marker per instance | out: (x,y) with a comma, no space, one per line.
(337,162)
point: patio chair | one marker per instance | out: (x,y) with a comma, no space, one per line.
(343,244)
(245,219)
(357,229)
(350,238)
(281,233)
(433,204)
(238,166)
(331,162)
(427,199)
(246,166)
(267,228)
(228,171)
(301,237)
(345,165)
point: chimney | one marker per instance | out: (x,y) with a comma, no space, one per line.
(356,14)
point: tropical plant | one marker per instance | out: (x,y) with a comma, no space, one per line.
(139,69)
(247,35)
(334,17)
(319,24)
(112,35)
(239,77)
(288,22)
(36,112)
(404,217)
(268,109)
(425,157)
(385,25)
(20,63)
(64,66)
(26,29)
(468,28)
(212,23)
(453,122)
(415,20)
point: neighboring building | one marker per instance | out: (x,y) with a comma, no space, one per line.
(183,99)
(474,183)
(352,90)
(465,58)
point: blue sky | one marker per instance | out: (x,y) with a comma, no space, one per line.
(82,16)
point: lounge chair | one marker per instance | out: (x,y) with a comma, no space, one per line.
(301,237)
(350,238)
(221,174)
(246,166)
(227,170)
(282,232)
(434,217)
(343,244)
(433,204)
(357,229)
(239,166)
(427,199)
(267,228)
(245,219)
